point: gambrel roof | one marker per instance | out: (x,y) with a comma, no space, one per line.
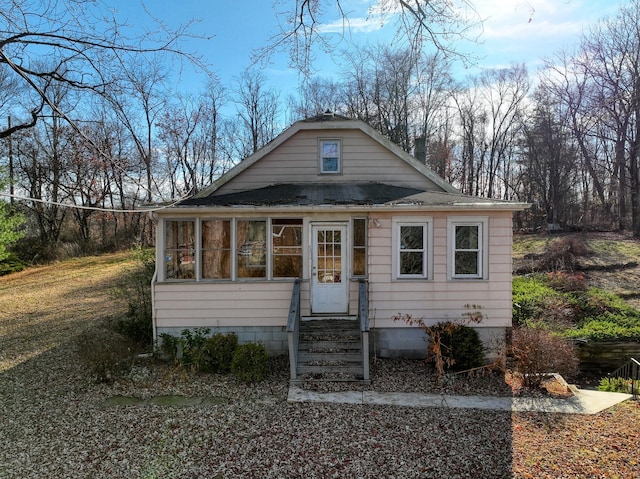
(338,191)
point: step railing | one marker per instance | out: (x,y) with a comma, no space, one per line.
(631,372)
(293,329)
(363,317)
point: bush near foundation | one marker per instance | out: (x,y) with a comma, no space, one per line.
(216,353)
(461,345)
(250,363)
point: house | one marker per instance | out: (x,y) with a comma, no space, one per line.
(333,221)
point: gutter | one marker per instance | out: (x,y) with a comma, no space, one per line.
(198,210)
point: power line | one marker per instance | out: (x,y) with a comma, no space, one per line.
(93,208)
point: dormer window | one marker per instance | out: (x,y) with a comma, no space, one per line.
(330,160)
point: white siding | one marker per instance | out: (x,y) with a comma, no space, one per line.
(296,161)
(263,303)
(441,299)
(191,304)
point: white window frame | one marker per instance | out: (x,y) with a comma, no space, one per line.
(321,157)
(427,238)
(483,246)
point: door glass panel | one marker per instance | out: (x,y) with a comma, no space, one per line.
(329,265)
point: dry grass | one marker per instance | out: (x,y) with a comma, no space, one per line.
(42,307)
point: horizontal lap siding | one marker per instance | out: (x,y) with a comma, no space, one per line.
(441,299)
(296,161)
(219,304)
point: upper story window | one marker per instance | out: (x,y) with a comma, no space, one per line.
(468,248)
(330,156)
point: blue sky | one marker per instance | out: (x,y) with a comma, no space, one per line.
(514,31)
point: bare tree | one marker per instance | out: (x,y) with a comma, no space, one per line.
(550,160)
(504,92)
(314,97)
(418,23)
(189,132)
(137,104)
(257,112)
(83,44)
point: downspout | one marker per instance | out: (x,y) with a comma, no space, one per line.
(153,304)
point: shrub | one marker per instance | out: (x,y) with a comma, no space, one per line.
(250,362)
(618,385)
(184,349)
(107,354)
(168,347)
(566,282)
(191,341)
(607,329)
(11,264)
(135,289)
(216,353)
(461,345)
(537,352)
(530,294)
(562,254)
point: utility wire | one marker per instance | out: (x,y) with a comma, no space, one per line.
(93,208)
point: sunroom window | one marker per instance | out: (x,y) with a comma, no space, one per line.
(286,248)
(251,248)
(216,249)
(180,260)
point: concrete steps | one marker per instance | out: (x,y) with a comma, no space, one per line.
(330,349)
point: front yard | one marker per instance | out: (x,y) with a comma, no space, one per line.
(56,423)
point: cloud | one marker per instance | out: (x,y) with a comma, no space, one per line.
(354,25)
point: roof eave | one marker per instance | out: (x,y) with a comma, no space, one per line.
(289,209)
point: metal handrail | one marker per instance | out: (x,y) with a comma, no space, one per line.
(363,316)
(293,329)
(363,305)
(631,371)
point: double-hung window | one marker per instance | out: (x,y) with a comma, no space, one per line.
(468,248)
(412,256)
(330,157)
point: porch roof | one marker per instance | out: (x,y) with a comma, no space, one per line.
(338,194)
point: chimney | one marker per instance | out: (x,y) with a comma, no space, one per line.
(420,151)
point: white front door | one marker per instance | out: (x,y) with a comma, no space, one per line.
(329,281)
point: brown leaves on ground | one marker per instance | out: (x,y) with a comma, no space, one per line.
(598,446)
(54,422)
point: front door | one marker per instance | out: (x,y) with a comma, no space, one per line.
(329,281)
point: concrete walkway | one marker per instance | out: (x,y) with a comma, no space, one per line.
(583,402)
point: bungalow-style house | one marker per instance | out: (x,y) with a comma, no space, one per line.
(328,233)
